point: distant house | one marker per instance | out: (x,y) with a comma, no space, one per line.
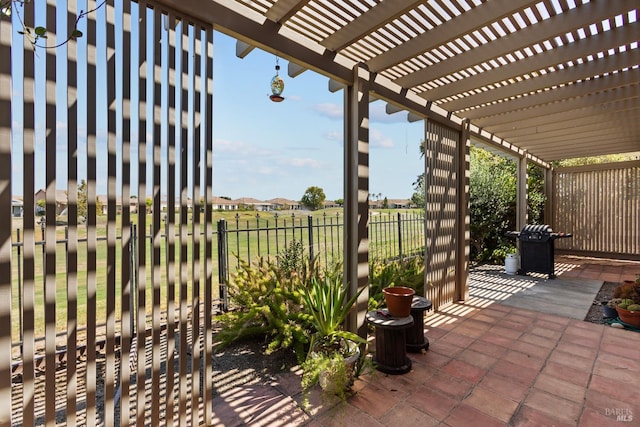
(375,204)
(61,199)
(330,204)
(284,204)
(255,204)
(220,204)
(399,203)
(17,206)
(391,204)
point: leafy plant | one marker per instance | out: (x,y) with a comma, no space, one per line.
(328,303)
(628,290)
(268,303)
(330,371)
(407,272)
(292,258)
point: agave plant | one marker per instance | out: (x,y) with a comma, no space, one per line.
(327,302)
(333,359)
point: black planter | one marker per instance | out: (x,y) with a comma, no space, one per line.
(608,311)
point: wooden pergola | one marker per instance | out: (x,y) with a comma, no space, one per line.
(539,80)
(535,80)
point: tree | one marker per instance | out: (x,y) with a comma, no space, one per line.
(492,202)
(82,198)
(313,198)
(339,202)
(417,199)
(99,206)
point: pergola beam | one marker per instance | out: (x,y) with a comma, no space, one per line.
(448,31)
(368,22)
(573,19)
(579,49)
(283,10)
(561,105)
(593,112)
(534,89)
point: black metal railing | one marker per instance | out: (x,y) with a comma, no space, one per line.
(391,236)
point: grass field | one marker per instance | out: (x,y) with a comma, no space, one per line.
(251,234)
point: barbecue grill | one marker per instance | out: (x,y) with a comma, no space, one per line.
(537,248)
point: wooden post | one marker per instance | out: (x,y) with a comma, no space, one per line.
(356,194)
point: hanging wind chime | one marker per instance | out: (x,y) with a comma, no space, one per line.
(277,86)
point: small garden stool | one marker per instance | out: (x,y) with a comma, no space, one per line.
(416,339)
(391,355)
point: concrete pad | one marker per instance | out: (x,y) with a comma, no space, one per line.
(570,297)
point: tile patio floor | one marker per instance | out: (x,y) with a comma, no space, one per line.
(489,364)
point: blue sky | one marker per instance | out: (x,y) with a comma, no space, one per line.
(261,149)
(265,150)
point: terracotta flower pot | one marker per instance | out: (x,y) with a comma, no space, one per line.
(398,299)
(629,317)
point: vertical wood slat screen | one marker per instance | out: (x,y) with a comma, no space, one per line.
(600,205)
(96,121)
(441,157)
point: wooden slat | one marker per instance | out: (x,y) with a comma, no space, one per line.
(71,79)
(123,78)
(28,339)
(183,268)
(106,16)
(5,232)
(170,103)
(207,113)
(92,280)
(140,129)
(153,128)
(194,147)
(48,73)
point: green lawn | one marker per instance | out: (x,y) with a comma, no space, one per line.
(246,244)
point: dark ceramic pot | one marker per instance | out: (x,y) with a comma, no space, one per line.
(608,311)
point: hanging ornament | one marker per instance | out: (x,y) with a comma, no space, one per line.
(277,86)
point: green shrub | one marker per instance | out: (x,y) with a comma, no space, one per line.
(292,258)
(267,302)
(407,272)
(499,254)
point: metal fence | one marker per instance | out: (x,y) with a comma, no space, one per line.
(393,236)
(396,235)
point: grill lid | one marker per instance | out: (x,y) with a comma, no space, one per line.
(536,233)
(532,228)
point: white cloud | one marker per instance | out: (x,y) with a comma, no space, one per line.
(327,109)
(333,136)
(378,139)
(302,163)
(240,148)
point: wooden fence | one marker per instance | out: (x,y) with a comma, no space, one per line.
(600,205)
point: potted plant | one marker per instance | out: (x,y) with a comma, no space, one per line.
(628,307)
(609,307)
(334,352)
